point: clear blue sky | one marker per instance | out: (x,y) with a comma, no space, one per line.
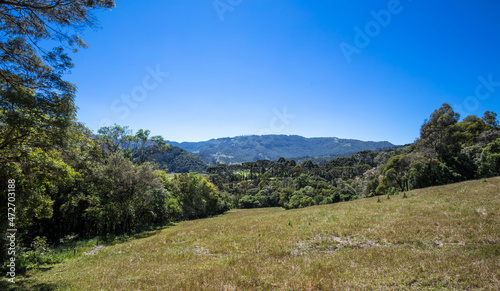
(279,67)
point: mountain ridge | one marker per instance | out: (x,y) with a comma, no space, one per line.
(248,148)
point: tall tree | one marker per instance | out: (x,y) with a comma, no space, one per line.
(36,104)
(437,134)
(31,84)
(490,118)
(137,147)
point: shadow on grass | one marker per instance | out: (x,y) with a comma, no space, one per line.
(113,239)
(26,285)
(68,251)
(45,269)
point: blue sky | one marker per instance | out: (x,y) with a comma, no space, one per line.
(369,70)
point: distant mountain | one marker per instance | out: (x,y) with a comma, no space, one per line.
(177,160)
(271,147)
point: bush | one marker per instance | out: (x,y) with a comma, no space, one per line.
(299,199)
(38,255)
(248,201)
(197,197)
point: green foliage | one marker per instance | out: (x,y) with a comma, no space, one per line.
(267,183)
(137,147)
(87,189)
(285,195)
(264,180)
(490,119)
(177,160)
(447,151)
(396,172)
(37,255)
(173,209)
(302,181)
(300,198)
(26,24)
(34,99)
(129,196)
(438,134)
(37,107)
(197,197)
(489,160)
(297,170)
(248,201)
(381,189)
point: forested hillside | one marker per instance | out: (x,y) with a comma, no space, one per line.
(271,147)
(102,183)
(447,151)
(177,160)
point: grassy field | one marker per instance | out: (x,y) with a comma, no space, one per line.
(444,237)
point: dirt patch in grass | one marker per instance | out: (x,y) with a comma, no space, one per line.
(94,250)
(331,244)
(197,250)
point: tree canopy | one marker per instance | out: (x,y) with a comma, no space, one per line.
(33,94)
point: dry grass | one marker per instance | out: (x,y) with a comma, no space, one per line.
(444,237)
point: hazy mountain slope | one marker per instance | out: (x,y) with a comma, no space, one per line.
(252,148)
(177,160)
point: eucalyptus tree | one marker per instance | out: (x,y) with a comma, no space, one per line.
(36,104)
(33,94)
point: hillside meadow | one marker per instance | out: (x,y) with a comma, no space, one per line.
(438,238)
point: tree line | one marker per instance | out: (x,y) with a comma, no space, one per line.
(95,184)
(69,180)
(448,150)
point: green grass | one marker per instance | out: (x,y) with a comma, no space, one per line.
(445,237)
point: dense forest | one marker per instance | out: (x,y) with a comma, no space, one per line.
(95,184)
(177,160)
(448,150)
